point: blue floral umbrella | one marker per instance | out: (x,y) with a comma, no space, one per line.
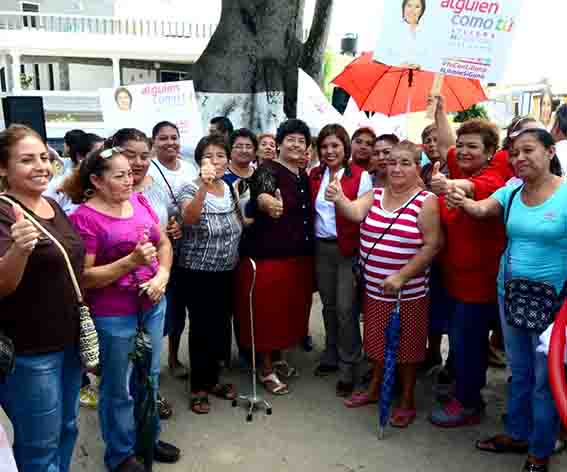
(389,376)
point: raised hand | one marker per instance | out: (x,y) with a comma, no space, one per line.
(208,172)
(24,234)
(145,252)
(438,180)
(455,197)
(334,191)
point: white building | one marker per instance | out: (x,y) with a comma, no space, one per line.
(65,50)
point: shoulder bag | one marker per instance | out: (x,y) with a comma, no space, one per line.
(528,304)
(88,338)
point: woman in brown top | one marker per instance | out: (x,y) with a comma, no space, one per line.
(38,311)
(280,242)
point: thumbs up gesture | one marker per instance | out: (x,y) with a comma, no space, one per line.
(24,234)
(208,172)
(438,180)
(334,191)
(455,196)
(144,253)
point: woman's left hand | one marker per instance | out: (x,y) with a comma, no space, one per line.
(155,287)
(393,284)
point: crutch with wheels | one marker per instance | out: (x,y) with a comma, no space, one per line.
(253,401)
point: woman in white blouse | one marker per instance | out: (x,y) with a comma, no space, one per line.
(336,245)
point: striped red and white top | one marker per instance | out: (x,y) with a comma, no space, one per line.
(396,248)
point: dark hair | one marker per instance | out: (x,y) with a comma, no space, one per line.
(338,131)
(405,2)
(561,119)
(120,90)
(293,126)
(488,132)
(364,130)
(72,136)
(546,140)
(211,140)
(163,124)
(122,136)
(428,131)
(411,148)
(82,145)
(9,138)
(244,133)
(223,124)
(78,185)
(516,125)
(390,138)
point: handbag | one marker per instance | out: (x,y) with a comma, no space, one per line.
(528,304)
(358,265)
(88,338)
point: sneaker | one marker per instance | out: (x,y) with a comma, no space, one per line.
(88,397)
(453,415)
(166,453)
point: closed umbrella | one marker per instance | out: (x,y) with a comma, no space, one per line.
(390,90)
(389,376)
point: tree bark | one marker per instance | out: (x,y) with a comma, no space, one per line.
(313,53)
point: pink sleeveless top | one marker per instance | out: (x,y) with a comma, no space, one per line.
(396,248)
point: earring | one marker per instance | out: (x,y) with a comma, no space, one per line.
(89,193)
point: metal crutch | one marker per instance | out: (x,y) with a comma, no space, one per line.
(253,401)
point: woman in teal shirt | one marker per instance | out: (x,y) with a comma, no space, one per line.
(537,250)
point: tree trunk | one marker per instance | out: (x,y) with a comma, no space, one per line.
(314,49)
(248,71)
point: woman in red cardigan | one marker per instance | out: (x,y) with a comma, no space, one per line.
(335,247)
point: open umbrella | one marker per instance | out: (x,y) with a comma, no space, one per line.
(389,375)
(390,90)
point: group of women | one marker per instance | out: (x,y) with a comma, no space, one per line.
(153,240)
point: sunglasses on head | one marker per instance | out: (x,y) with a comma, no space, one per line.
(108,153)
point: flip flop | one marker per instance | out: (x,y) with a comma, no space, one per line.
(496,445)
(402,417)
(224,391)
(359,399)
(200,404)
(273,384)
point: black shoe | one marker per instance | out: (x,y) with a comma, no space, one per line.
(344,389)
(529,467)
(323,370)
(307,343)
(130,465)
(166,453)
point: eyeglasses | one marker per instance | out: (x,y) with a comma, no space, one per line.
(108,153)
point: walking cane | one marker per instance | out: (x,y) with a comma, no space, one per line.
(252,401)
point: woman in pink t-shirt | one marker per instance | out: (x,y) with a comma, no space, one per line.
(127,264)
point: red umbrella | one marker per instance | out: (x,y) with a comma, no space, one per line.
(393,91)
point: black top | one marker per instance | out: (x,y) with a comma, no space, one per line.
(41,316)
(292,234)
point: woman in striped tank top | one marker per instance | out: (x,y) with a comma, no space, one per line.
(399,236)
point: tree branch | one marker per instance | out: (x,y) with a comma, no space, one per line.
(314,49)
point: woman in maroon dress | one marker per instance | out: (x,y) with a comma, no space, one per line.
(280,242)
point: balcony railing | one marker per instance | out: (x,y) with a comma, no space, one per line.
(105,25)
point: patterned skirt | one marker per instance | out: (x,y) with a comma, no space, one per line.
(414,317)
(281,302)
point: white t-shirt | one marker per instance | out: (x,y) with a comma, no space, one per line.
(561,151)
(325,219)
(61,198)
(177,179)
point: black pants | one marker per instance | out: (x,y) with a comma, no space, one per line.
(208,295)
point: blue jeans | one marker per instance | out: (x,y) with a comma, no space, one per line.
(469,325)
(41,398)
(116,403)
(532,415)
(176,311)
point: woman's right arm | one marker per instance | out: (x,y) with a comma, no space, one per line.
(489,207)
(191,209)
(353,210)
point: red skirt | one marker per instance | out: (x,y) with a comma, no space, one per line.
(414,318)
(281,302)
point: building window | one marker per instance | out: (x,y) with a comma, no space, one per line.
(36,76)
(3,85)
(29,20)
(51,77)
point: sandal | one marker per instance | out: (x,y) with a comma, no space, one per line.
(224,391)
(284,370)
(402,417)
(359,399)
(164,408)
(273,384)
(502,444)
(200,404)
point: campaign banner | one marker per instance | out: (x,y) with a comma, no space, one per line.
(464,38)
(142,106)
